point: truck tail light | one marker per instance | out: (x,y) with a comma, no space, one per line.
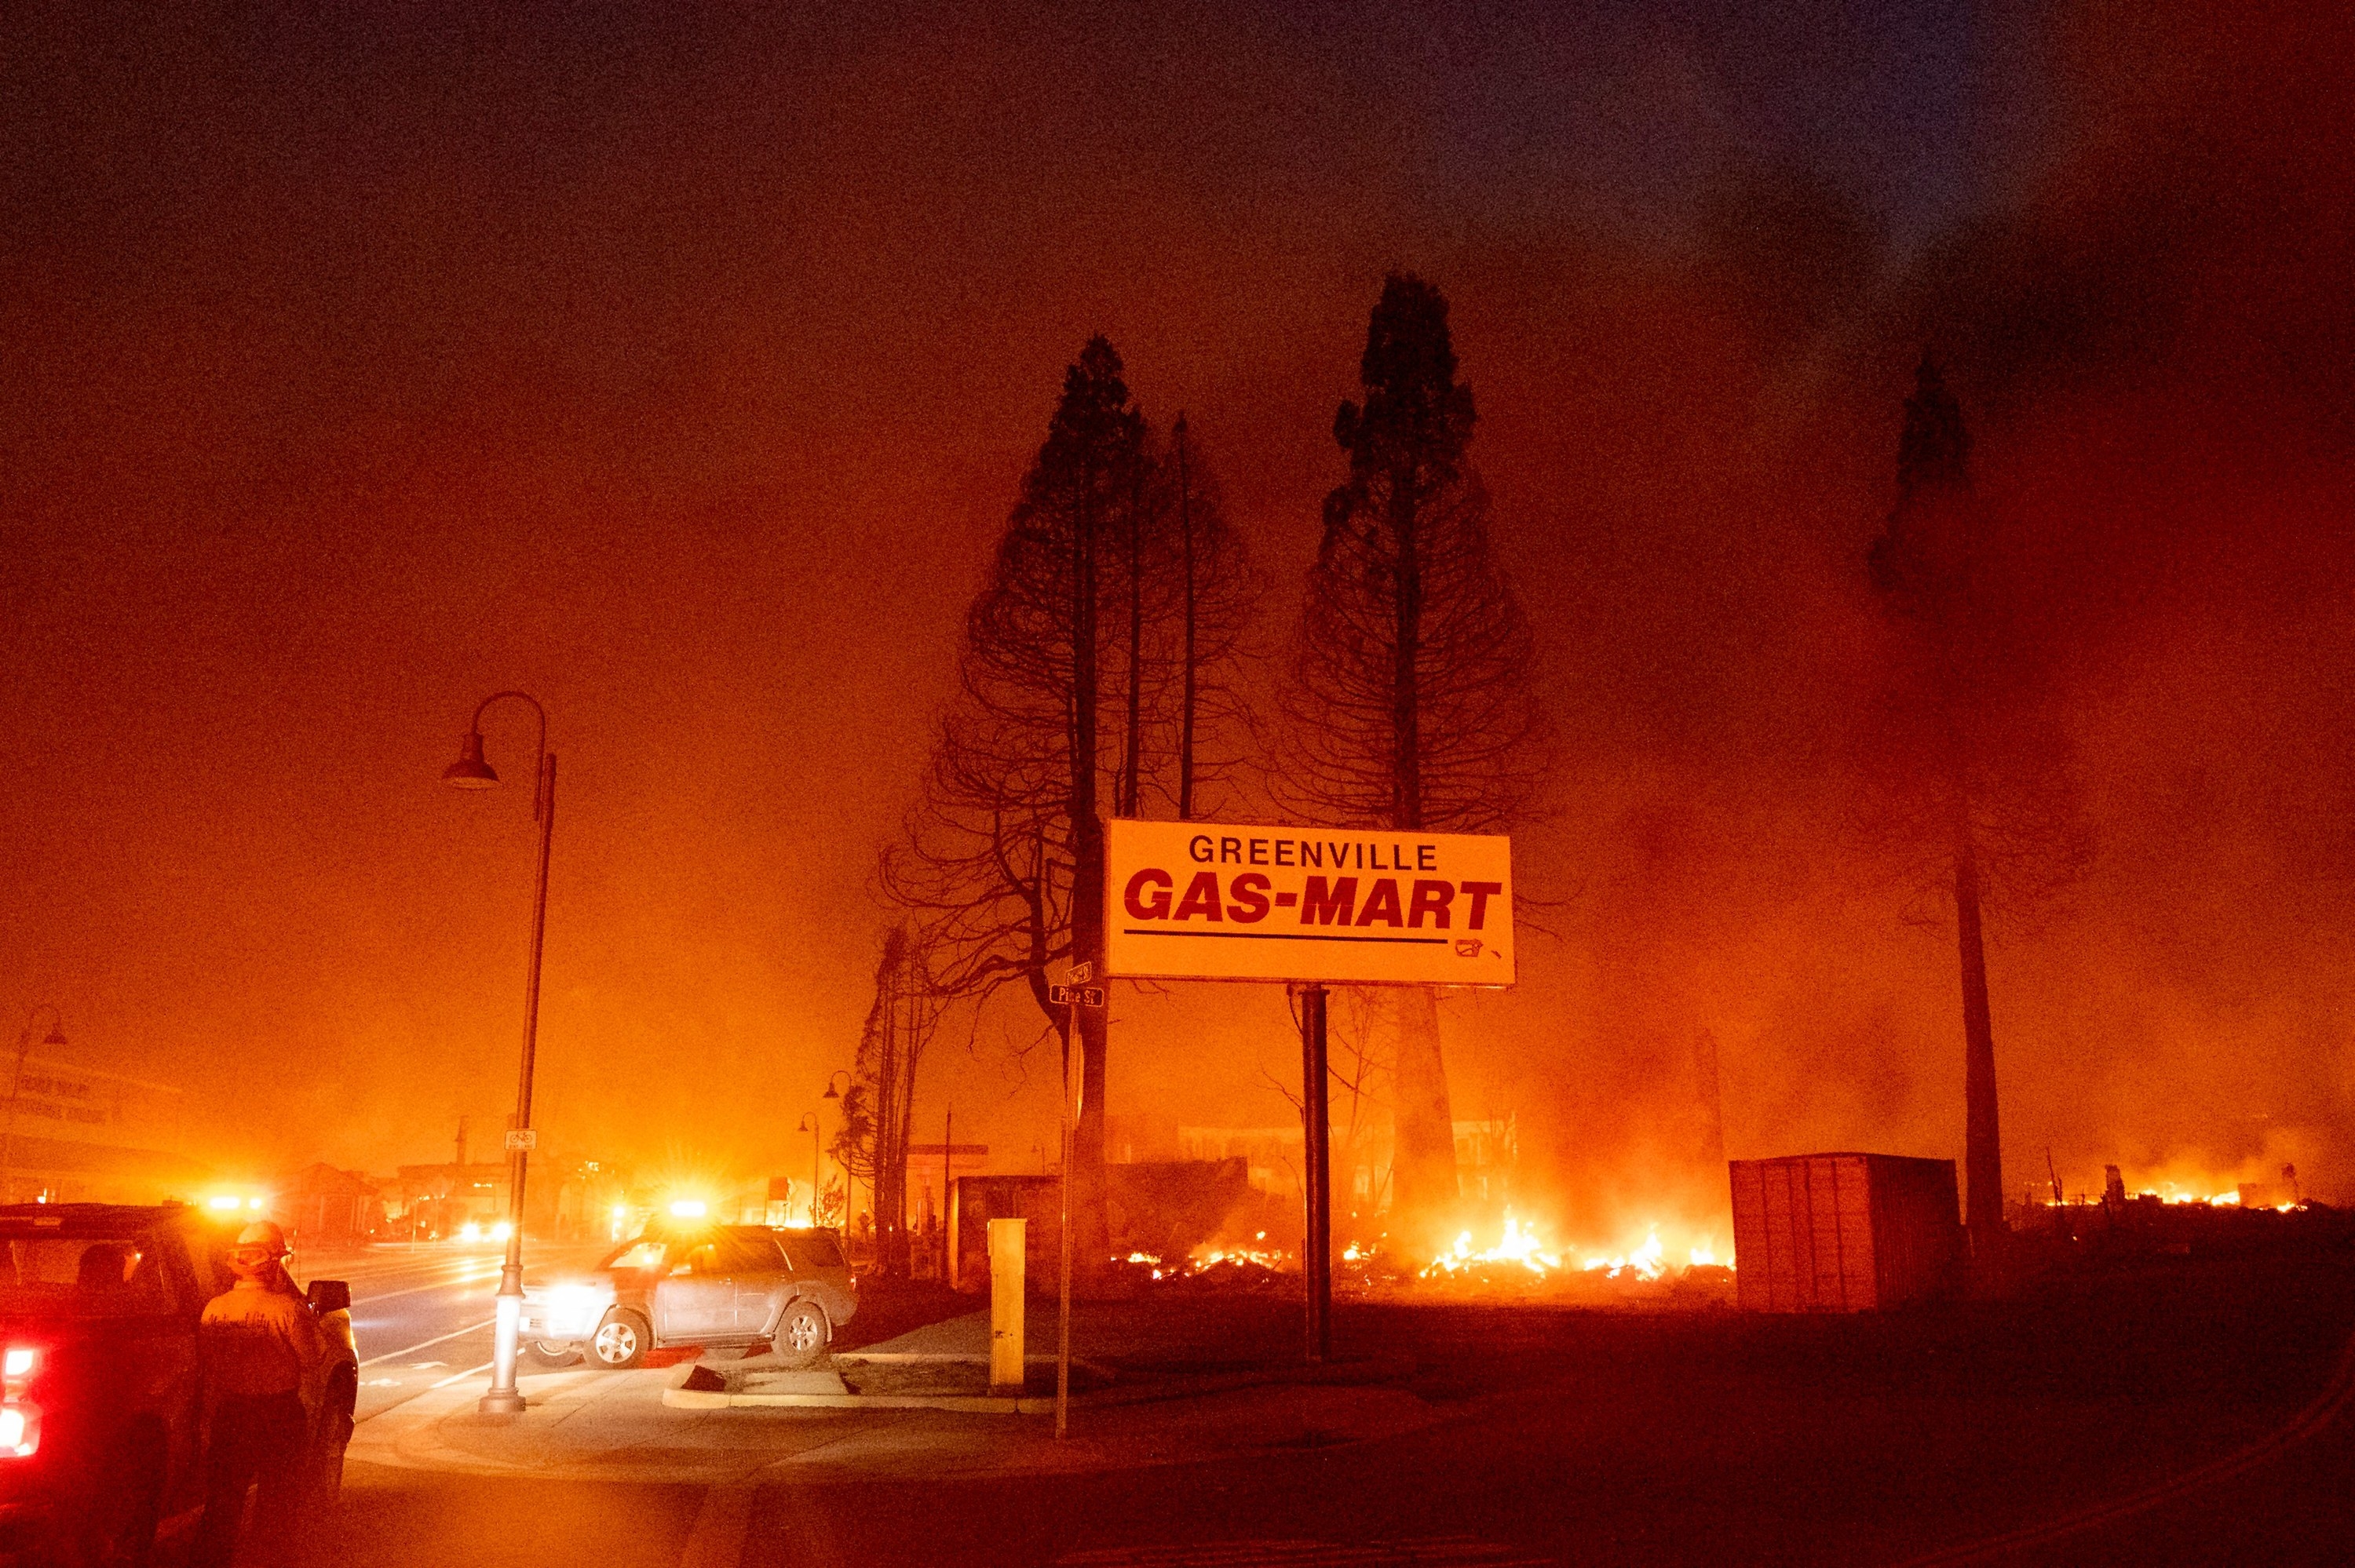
(20,1429)
(18,1364)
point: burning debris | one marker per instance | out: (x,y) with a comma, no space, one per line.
(1520,1244)
(1521,1264)
(1250,1265)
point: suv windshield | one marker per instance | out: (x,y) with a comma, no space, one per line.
(641,1254)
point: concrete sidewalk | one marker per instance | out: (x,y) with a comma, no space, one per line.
(1194,1385)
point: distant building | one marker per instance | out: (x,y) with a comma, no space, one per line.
(322,1206)
(76,1134)
(434,1200)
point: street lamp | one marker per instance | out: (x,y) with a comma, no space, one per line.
(56,1037)
(849,1184)
(470,772)
(809,1124)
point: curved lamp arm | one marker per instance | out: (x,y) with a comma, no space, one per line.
(57,1035)
(470,771)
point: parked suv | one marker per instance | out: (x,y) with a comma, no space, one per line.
(708,1285)
(102,1418)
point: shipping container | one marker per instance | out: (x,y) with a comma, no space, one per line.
(1843,1232)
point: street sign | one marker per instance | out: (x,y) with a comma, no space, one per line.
(1206,901)
(522,1140)
(1080,974)
(1084,995)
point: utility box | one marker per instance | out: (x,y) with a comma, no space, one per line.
(1844,1233)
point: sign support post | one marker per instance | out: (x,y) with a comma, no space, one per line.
(1075,994)
(1316,1184)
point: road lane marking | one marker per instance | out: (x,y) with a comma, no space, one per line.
(2314,1419)
(716,1539)
(412,1350)
(453,1283)
(460,1377)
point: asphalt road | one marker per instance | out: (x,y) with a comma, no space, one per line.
(421,1314)
(1582,1439)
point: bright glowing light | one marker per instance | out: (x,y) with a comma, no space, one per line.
(222,1201)
(1704,1255)
(501,1231)
(689,1209)
(575,1309)
(19,1360)
(1644,1263)
(20,1432)
(470,1231)
(253,1203)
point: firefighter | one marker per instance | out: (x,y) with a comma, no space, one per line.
(261,1349)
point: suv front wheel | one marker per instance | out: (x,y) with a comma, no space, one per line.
(621,1341)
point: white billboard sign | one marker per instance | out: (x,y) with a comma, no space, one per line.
(1209,901)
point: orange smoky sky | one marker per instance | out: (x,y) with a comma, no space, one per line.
(679,368)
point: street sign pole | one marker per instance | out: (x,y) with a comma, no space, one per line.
(1077,993)
(1317,1250)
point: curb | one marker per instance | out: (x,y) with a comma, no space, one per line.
(1340,1375)
(967,1405)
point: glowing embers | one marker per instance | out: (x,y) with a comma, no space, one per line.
(1222,1262)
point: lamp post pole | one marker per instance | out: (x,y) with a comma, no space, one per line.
(56,1037)
(471,772)
(833,1093)
(809,1124)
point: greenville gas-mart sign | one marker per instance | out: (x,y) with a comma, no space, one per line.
(1207,901)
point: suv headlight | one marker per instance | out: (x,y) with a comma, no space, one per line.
(573,1310)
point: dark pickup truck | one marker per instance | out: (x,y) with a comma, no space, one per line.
(101,1416)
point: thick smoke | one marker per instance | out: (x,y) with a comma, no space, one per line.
(682,373)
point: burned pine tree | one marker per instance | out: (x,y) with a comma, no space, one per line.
(1975,777)
(878,1109)
(1003,865)
(1094,658)
(1210,604)
(1411,703)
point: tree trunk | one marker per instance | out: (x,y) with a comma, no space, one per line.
(891,1142)
(904,1039)
(1982,1140)
(1132,753)
(1406,652)
(1092,1248)
(1186,710)
(1422,1160)
(1424,1190)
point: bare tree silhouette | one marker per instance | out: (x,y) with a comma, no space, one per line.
(877,1109)
(1971,775)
